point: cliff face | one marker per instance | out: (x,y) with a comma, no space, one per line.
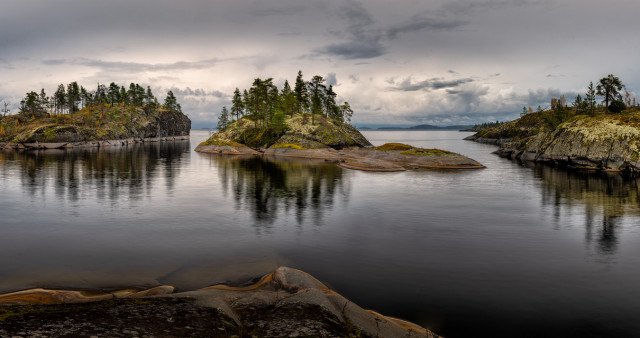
(610,142)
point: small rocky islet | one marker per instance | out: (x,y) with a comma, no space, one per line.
(329,140)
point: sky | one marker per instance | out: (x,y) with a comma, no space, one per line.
(402,62)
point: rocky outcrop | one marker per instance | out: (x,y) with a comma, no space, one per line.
(610,143)
(329,140)
(284,303)
(158,126)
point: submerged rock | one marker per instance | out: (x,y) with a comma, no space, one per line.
(284,303)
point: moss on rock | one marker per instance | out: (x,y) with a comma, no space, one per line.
(394,146)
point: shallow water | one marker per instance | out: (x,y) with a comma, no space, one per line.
(510,250)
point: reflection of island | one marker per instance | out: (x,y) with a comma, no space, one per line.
(267,186)
(110,172)
(606,199)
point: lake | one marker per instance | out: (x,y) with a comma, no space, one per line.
(510,250)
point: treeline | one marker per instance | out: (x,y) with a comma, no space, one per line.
(486,125)
(72,97)
(267,105)
(613,102)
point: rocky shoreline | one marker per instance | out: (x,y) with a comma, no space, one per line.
(88,144)
(286,302)
(605,143)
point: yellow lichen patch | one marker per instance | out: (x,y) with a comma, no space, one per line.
(599,129)
(394,146)
(427,152)
(287,145)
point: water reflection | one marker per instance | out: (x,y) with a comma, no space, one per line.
(111,173)
(605,199)
(269,186)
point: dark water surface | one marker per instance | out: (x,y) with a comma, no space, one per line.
(505,251)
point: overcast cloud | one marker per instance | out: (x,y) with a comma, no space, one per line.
(404,62)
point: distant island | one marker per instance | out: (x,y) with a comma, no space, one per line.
(306,121)
(588,135)
(421,127)
(76,117)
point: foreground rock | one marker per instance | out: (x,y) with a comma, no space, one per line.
(331,141)
(608,143)
(285,303)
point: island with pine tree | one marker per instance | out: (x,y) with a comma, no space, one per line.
(107,116)
(306,122)
(583,135)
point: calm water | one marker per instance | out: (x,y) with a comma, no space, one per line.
(505,251)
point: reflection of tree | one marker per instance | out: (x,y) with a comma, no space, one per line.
(109,171)
(606,199)
(267,186)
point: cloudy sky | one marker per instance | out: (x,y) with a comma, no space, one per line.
(402,62)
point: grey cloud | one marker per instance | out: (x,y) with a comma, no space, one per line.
(135,67)
(199,92)
(419,23)
(410,85)
(331,79)
(6,64)
(363,40)
(354,50)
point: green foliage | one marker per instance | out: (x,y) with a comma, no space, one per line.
(556,116)
(486,125)
(223,119)
(171,103)
(617,106)
(610,88)
(394,146)
(278,122)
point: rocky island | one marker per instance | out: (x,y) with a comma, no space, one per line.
(588,136)
(307,123)
(110,116)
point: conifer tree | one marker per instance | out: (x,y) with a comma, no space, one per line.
(590,99)
(316,92)
(237,105)
(301,93)
(609,87)
(223,119)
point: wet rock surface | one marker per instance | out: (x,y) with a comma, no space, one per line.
(285,303)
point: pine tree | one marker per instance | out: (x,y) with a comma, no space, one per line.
(73,96)
(316,91)
(301,93)
(60,99)
(590,99)
(330,107)
(346,111)
(288,99)
(609,87)
(171,103)
(223,119)
(237,105)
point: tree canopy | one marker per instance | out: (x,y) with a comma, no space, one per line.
(267,106)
